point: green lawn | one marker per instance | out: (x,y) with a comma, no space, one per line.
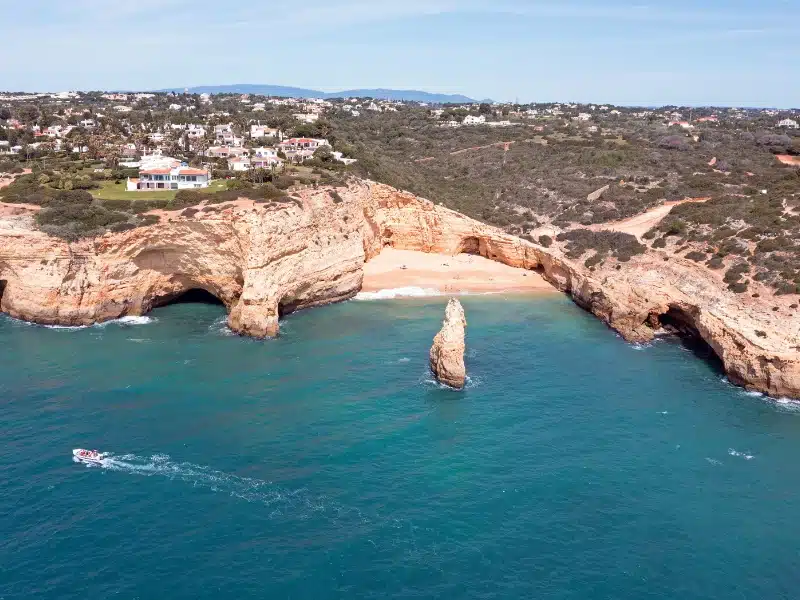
(116,191)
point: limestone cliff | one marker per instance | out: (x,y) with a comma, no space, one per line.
(447,351)
(266,260)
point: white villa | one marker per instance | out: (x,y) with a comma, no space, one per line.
(225,151)
(789,124)
(260,160)
(474,120)
(261,131)
(173,176)
(297,144)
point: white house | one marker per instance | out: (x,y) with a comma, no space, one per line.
(297,144)
(265,162)
(265,152)
(789,124)
(474,120)
(175,178)
(307,117)
(225,152)
(262,131)
(239,163)
(245,163)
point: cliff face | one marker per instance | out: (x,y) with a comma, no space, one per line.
(258,261)
(447,351)
(262,261)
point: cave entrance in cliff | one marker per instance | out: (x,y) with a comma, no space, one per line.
(196,296)
(3,284)
(286,307)
(471,245)
(680,324)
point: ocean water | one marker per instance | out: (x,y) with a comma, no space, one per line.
(327,464)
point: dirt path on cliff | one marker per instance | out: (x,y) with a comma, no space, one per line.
(641,224)
(7,180)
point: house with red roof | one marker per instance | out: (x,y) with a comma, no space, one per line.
(178,177)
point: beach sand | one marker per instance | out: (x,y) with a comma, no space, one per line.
(448,274)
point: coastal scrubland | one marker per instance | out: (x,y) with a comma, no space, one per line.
(551,173)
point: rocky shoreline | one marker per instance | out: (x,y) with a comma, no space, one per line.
(263,261)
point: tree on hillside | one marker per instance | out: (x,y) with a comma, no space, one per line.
(28,113)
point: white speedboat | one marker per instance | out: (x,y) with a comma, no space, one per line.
(88,456)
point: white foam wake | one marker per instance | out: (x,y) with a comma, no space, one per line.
(743,455)
(402,292)
(286,504)
(292,503)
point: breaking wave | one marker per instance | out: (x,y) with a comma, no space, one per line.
(428,380)
(122,321)
(220,327)
(403,292)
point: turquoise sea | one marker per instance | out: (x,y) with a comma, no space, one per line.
(327,464)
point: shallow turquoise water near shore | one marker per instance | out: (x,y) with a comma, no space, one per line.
(326,464)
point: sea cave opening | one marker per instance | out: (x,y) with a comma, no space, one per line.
(3,284)
(681,324)
(287,307)
(188,296)
(196,296)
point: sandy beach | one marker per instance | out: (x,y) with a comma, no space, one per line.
(406,269)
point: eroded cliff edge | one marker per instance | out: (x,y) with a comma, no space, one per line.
(265,260)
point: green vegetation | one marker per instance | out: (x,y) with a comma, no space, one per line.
(116,190)
(621,246)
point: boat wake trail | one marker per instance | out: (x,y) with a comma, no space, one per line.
(399,537)
(299,503)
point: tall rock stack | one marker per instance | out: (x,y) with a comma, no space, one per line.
(447,352)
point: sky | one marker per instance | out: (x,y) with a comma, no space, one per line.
(686,52)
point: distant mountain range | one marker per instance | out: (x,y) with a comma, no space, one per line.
(293,92)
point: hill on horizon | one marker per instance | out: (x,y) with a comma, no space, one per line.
(294,92)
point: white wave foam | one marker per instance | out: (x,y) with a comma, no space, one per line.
(403,292)
(125,321)
(131,320)
(220,327)
(713,461)
(429,380)
(743,455)
(404,360)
